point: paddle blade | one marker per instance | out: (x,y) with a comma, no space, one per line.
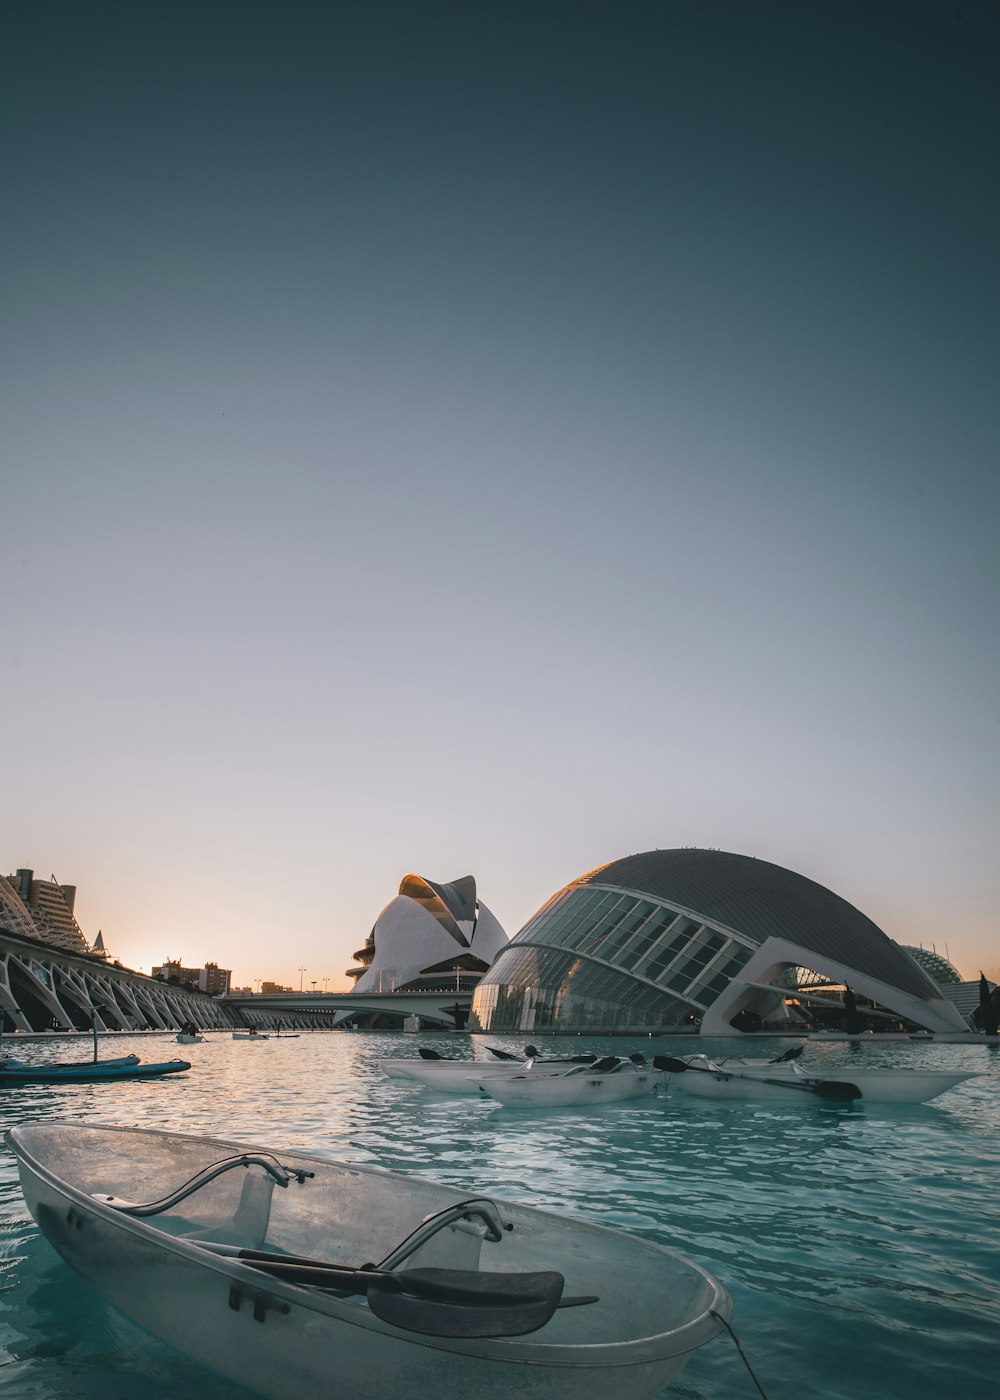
(792,1054)
(502,1054)
(426,1054)
(837,1090)
(449,1303)
(670,1064)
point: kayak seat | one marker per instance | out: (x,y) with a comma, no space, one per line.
(253,1213)
(211,1216)
(451,1238)
(247,1226)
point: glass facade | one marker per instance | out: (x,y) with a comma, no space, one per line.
(604,959)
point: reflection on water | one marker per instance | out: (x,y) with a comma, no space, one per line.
(859,1243)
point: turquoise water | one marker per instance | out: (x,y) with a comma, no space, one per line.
(860,1244)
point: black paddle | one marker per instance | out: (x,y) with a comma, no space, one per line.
(426,1054)
(833,1089)
(502,1054)
(532,1052)
(434,1302)
(792,1054)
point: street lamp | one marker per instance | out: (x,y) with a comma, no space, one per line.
(314,988)
(301,971)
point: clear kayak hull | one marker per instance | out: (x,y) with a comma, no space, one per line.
(754,1079)
(285,1341)
(577,1088)
(464,1076)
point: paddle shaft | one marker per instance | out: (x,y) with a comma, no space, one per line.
(320,1273)
(834,1089)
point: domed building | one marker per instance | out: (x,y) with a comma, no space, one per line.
(431,937)
(680,937)
(945,974)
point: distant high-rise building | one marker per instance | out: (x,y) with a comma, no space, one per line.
(211,978)
(48,907)
(214,979)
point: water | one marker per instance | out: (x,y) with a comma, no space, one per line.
(859,1243)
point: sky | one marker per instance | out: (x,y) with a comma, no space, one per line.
(495,438)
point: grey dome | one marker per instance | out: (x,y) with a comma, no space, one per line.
(760,901)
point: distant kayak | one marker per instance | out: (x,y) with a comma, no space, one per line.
(15,1066)
(458,1076)
(754,1079)
(130,1068)
(608,1080)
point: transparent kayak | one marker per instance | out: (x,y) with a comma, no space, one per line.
(753,1079)
(250,1261)
(604,1081)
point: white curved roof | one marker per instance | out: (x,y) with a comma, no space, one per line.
(426,925)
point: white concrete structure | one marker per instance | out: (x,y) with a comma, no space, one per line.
(688,937)
(430,937)
(50,978)
(45,988)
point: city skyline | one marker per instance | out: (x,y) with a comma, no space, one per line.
(495,440)
(307,983)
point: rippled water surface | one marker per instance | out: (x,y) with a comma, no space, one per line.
(860,1244)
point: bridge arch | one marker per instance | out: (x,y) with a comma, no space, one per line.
(45,988)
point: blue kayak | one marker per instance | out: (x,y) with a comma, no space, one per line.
(16,1072)
(9,1062)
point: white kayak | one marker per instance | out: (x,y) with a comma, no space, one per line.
(457,1075)
(463,1076)
(753,1079)
(450,1076)
(609,1080)
(250,1262)
(247,1035)
(183,1038)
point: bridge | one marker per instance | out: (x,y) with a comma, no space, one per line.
(44,988)
(447,1010)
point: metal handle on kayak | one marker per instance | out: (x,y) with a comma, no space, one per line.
(479,1208)
(282,1175)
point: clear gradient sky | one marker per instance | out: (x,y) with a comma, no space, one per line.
(494,438)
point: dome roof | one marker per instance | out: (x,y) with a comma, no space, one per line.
(762,901)
(945,974)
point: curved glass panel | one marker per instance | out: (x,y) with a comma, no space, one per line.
(547,989)
(606,960)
